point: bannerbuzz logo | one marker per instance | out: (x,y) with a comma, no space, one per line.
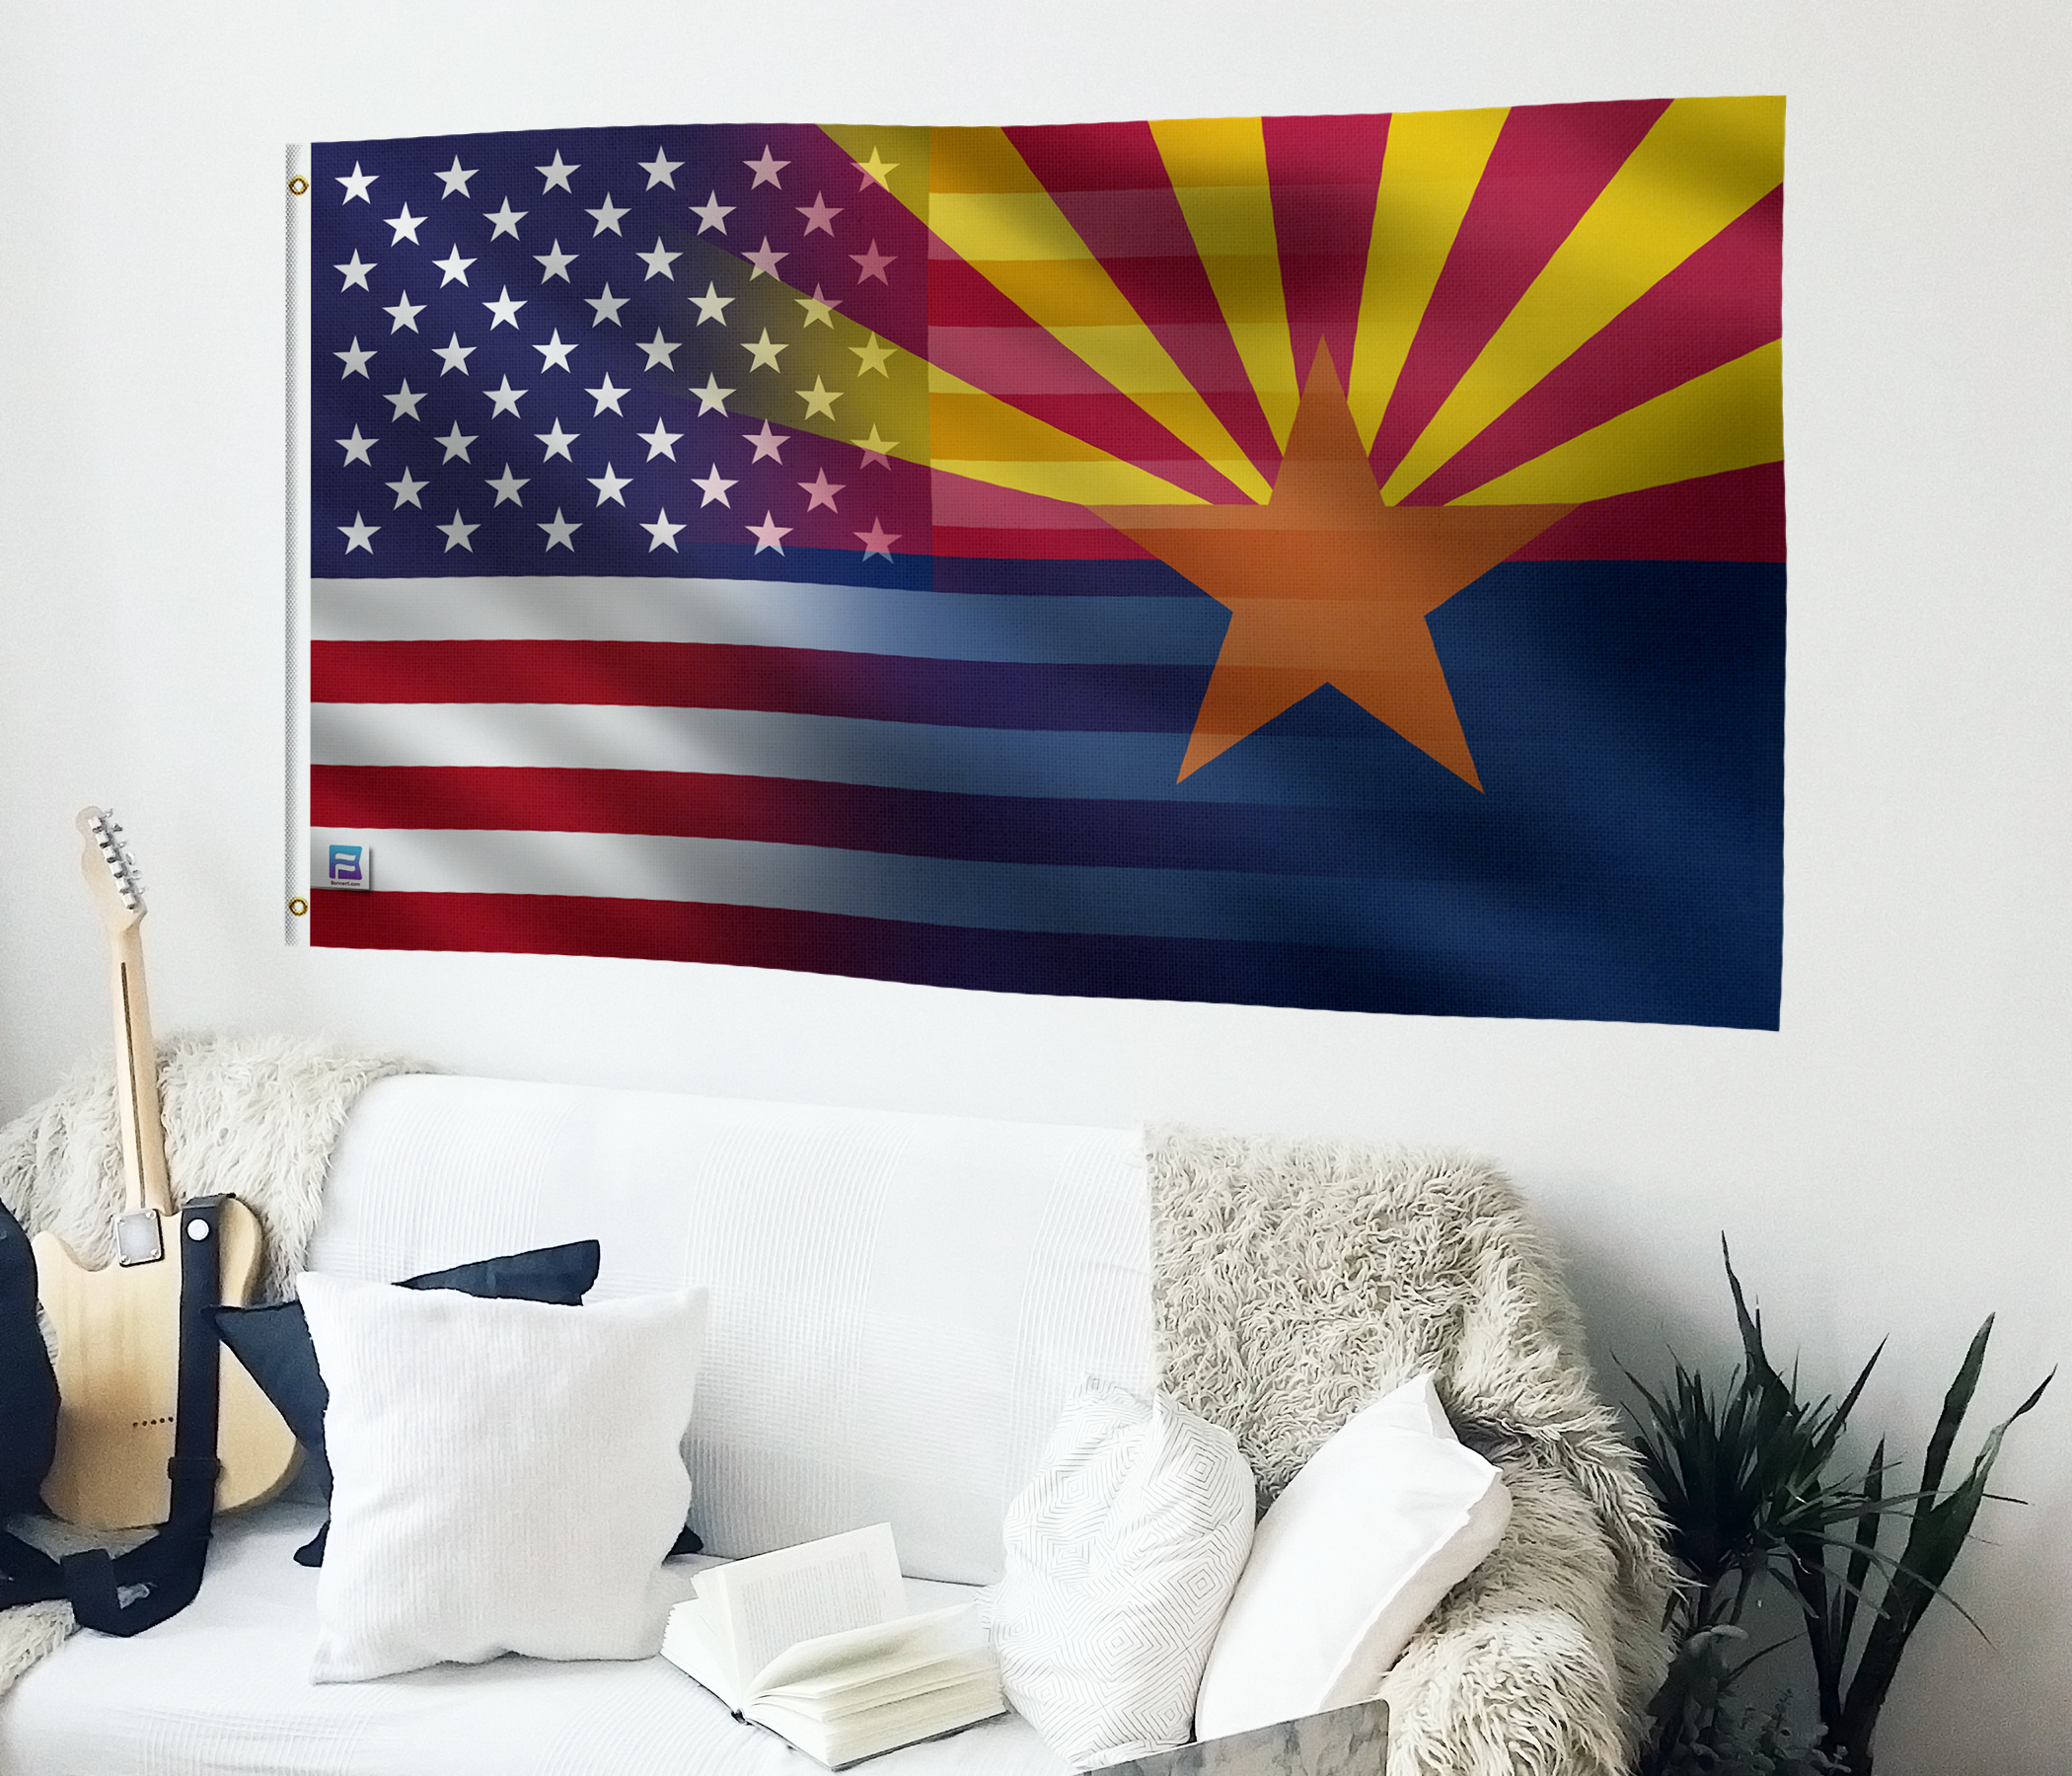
(350,867)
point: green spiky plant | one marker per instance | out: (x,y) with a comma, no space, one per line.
(1746,1476)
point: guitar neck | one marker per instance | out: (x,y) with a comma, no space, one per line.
(144,1180)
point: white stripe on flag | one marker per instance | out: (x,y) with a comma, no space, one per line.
(1234,905)
(1271,770)
(871,620)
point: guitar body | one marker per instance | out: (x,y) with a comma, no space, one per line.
(117,1333)
(117,1329)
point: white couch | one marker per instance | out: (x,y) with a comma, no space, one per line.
(900,1305)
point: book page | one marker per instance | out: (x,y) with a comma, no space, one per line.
(825,1665)
(771,1602)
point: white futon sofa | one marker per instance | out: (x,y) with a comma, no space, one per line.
(900,1304)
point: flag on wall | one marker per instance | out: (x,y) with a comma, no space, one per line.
(1327,562)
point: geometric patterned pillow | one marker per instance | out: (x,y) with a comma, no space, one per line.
(1121,1555)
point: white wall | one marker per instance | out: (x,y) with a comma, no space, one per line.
(1893,1160)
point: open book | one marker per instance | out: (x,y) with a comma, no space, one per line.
(813,1642)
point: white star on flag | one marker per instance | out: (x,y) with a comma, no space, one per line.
(660,351)
(403,402)
(507,486)
(355,359)
(454,267)
(658,170)
(558,442)
(714,486)
(875,542)
(356,269)
(554,355)
(503,312)
(457,178)
(820,215)
(712,397)
(765,259)
(405,313)
(608,484)
(607,395)
(503,400)
(712,213)
(356,448)
(404,225)
(360,534)
(762,352)
(555,174)
(506,220)
(607,307)
(457,533)
(768,444)
(712,306)
(606,216)
(819,399)
(453,355)
(768,534)
(659,442)
(560,531)
(407,490)
(456,443)
(821,491)
(659,261)
(663,532)
(357,184)
(555,263)
(876,170)
(766,169)
(820,312)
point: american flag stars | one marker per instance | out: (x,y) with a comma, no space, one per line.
(700,250)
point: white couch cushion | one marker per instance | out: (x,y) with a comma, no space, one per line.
(1121,1555)
(1380,1523)
(900,1303)
(518,1464)
(225,1686)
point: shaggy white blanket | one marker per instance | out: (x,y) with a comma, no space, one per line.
(1295,1280)
(250,1117)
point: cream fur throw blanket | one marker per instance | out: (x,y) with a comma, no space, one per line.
(1292,1281)
(255,1117)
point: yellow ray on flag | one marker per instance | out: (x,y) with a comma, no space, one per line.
(1704,163)
(990,209)
(1219,172)
(973,433)
(1429,168)
(1731,417)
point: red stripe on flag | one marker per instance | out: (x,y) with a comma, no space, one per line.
(1733,517)
(792,681)
(1548,166)
(1720,304)
(1111,183)
(1324,172)
(964,308)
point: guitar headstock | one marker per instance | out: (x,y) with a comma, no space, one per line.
(112,874)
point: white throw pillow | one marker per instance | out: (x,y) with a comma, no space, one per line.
(1120,1557)
(1381,1523)
(507,1475)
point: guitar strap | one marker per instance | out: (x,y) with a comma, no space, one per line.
(129,1592)
(126,1593)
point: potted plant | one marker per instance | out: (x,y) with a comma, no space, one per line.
(1753,1482)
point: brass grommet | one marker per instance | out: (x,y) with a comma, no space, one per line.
(298,185)
(299,907)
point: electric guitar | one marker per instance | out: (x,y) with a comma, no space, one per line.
(117,1328)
